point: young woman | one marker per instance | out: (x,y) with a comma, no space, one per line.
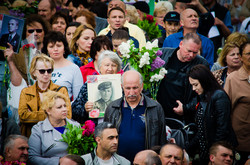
(65,72)
(80,45)
(212,115)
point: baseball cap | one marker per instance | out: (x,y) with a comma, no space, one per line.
(172,16)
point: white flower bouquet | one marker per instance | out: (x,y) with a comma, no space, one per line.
(147,61)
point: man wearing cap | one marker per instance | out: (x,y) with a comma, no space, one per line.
(172,25)
(105,90)
(189,20)
(142,8)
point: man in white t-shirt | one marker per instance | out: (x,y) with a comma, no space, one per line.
(106,137)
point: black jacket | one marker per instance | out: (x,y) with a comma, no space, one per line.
(181,78)
(216,119)
(155,122)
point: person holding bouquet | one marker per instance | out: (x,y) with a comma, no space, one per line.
(45,142)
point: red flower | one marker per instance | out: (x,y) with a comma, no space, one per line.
(26,46)
(150,18)
(89,128)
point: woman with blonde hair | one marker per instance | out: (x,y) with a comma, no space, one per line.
(45,142)
(29,110)
(229,59)
(80,45)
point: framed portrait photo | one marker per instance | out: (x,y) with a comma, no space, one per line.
(11,29)
(102,90)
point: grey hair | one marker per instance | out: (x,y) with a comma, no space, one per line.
(10,140)
(101,127)
(140,76)
(112,56)
(152,158)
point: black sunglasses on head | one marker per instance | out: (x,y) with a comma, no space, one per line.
(42,71)
(37,30)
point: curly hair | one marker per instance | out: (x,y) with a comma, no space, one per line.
(49,99)
(53,37)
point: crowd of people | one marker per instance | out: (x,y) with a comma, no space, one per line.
(206,48)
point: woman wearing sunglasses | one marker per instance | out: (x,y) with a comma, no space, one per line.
(65,73)
(29,109)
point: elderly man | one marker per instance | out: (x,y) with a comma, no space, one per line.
(171,154)
(175,85)
(12,37)
(134,30)
(147,157)
(138,118)
(16,148)
(189,21)
(221,153)
(46,9)
(106,137)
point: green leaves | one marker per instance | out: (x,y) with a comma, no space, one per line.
(78,144)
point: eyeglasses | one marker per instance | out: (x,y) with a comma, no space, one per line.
(42,71)
(37,30)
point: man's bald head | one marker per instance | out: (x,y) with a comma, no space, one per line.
(117,3)
(146,157)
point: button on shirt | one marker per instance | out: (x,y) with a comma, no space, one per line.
(132,130)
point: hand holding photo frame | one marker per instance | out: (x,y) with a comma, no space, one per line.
(103,89)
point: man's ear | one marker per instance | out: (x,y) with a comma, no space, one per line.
(211,157)
(181,23)
(98,139)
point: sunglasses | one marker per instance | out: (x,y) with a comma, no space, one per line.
(42,71)
(37,30)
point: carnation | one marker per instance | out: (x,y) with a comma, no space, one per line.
(157,63)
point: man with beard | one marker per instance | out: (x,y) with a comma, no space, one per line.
(106,137)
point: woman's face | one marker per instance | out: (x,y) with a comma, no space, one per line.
(59,110)
(69,33)
(85,40)
(59,25)
(196,85)
(56,50)
(233,58)
(41,76)
(108,67)
(245,58)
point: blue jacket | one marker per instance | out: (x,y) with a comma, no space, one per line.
(207,45)
(45,144)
